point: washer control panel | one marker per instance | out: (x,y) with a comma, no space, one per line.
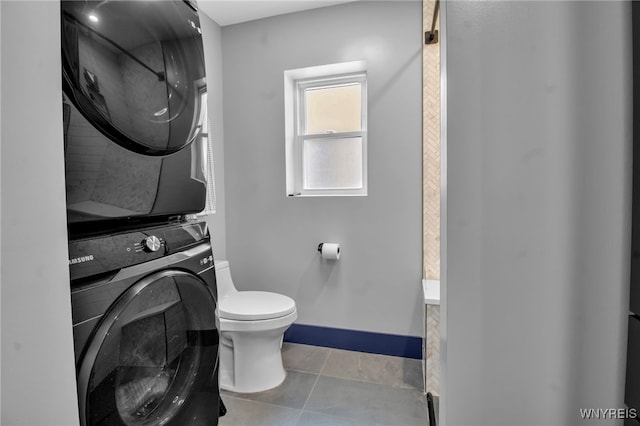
(93,256)
(151,244)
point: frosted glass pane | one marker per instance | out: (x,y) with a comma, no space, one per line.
(333,109)
(332,163)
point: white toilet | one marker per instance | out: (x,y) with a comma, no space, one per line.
(252,325)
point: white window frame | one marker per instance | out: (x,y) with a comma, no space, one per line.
(296,82)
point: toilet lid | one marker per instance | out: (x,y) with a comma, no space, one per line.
(255,305)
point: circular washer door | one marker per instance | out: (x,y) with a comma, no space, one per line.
(135,70)
(153,357)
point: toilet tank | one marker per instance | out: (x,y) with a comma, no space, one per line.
(223,279)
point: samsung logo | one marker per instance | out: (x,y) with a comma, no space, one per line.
(81,259)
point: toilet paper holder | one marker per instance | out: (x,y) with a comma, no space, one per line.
(320,247)
(332,252)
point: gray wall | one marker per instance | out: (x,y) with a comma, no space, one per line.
(212,40)
(538,189)
(272,239)
(38,372)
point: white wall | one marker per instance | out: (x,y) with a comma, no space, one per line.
(38,372)
(538,190)
(212,40)
(272,239)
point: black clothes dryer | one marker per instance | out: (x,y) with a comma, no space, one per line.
(134,111)
(144,327)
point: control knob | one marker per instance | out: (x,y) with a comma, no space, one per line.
(151,243)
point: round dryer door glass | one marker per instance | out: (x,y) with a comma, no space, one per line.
(153,357)
(135,69)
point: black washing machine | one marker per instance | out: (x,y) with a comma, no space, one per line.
(134,112)
(144,327)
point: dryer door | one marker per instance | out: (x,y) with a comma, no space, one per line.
(135,70)
(134,111)
(153,357)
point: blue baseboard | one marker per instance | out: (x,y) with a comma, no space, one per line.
(355,340)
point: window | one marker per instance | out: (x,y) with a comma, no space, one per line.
(326,138)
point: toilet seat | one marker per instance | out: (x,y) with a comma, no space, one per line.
(259,326)
(255,305)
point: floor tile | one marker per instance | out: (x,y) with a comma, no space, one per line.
(242,412)
(368,402)
(315,419)
(388,370)
(304,357)
(292,393)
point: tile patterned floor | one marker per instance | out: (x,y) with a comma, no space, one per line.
(332,387)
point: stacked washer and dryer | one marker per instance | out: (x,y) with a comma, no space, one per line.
(143,286)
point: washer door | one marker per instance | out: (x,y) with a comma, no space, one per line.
(153,357)
(135,70)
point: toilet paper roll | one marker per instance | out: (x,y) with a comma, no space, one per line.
(330,251)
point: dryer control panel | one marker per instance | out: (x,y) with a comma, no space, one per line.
(151,243)
(94,256)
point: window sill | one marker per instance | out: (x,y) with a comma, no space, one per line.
(324,195)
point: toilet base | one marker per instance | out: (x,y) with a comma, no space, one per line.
(251,361)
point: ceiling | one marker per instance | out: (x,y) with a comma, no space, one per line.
(229,12)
